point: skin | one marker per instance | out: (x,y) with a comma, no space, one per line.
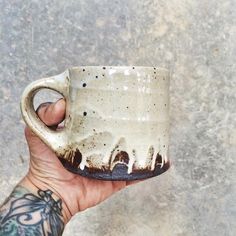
(46,171)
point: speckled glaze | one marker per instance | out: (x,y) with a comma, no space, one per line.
(117,120)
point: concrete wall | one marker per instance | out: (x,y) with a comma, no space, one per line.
(196,41)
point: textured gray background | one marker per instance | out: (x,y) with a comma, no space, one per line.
(196,41)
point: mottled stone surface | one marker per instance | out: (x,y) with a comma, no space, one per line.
(196,40)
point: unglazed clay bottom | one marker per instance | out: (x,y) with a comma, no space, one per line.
(116,124)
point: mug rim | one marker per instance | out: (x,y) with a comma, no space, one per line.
(120,67)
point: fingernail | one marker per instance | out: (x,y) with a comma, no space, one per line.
(45,104)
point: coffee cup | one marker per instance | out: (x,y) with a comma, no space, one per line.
(116,124)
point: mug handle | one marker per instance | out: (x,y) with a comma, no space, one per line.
(56,140)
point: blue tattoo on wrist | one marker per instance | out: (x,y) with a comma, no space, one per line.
(32,215)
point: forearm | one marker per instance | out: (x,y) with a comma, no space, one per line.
(32,210)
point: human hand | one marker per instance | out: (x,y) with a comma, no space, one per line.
(46,171)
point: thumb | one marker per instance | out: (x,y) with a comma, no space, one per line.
(51,114)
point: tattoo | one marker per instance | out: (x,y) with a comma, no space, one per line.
(26,214)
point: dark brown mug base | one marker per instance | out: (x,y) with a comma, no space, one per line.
(119,172)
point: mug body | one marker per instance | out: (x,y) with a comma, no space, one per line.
(117,122)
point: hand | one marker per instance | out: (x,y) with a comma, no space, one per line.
(77,192)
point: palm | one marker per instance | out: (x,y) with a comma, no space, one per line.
(44,165)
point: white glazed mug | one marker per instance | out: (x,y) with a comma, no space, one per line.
(116,123)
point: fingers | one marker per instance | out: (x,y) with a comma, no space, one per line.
(128,183)
(118,185)
(52,113)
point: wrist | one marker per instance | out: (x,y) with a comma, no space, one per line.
(30,210)
(34,185)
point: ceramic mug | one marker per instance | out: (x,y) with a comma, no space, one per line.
(116,123)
